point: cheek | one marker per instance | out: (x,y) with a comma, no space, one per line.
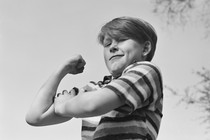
(131,55)
(106,57)
(135,54)
(105,54)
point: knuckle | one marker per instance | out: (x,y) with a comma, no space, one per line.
(64,91)
(58,94)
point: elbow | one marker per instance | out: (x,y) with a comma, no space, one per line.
(32,120)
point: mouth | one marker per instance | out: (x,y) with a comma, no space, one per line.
(115,56)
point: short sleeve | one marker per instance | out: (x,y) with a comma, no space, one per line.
(140,85)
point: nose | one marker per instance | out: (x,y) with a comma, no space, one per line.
(113,47)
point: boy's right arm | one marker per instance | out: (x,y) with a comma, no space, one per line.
(42,112)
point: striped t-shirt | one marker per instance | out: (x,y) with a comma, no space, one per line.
(140,87)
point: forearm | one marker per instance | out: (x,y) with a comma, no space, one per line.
(42,111)
(44,99)
(89,104)
(46,93)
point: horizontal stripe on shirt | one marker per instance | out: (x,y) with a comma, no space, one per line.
(140,88)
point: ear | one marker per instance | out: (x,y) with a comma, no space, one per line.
(147,48)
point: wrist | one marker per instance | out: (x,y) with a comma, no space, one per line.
(61,72)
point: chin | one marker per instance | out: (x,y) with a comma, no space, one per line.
(116,68)
(116,72)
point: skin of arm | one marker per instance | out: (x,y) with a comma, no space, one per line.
(87,104)
(42,110)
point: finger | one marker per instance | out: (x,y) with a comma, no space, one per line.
(64,92)
(81,63)
(53,99)
(58,94)
(74,91)
(80,70)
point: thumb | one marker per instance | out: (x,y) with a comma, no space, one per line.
(81,63)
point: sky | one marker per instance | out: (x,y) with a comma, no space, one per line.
(37,36)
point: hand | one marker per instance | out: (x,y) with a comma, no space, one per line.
(65,95)
(74,65)
(62,98)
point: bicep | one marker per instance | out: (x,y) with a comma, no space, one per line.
(105,100)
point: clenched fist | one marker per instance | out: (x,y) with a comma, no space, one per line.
(74,65)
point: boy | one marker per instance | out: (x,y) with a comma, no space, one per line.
(128,103)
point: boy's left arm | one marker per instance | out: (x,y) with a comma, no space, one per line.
(87,104)
(139,86)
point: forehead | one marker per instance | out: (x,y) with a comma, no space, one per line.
(115,35)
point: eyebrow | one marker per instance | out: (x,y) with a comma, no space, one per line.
(107,40)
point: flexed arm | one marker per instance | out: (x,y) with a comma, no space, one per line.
(42,109)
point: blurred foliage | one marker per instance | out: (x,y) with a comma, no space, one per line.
(197,94)
(181,13)
(184,12)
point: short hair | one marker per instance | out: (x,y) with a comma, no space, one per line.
(132,28)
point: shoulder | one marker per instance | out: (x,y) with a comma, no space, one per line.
(146,70)
(144,66)
(138,83)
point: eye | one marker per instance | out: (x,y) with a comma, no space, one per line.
(107,43)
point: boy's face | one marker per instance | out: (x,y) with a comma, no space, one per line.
(120,54)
